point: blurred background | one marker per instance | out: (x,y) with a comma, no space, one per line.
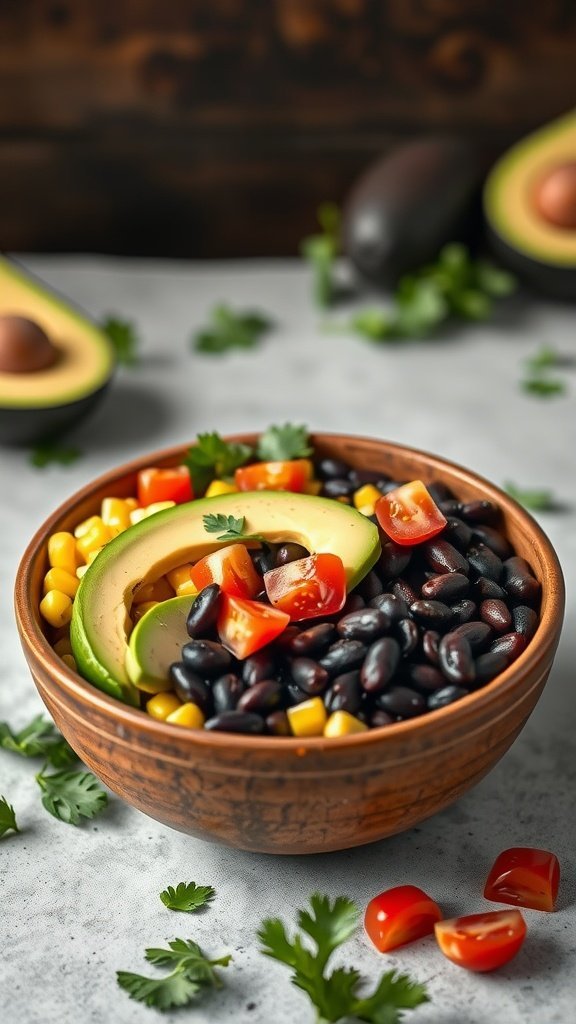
(213,128)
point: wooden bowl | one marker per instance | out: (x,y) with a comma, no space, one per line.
(279,795)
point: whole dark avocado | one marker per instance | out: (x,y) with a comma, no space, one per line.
(408,204)
(530,208)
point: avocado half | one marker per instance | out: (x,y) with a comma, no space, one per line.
(524,238)
(145,552)
(45,402)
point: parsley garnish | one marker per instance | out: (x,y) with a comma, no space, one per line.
(321,250)
(232,528)
(124,337)
(278,444)
(335,994)
(229,329)
(7,817)
(50,451)
(71,796)
(192,974)
(535,500)
(544,387)
(40,738)
(187,896)
(212,458)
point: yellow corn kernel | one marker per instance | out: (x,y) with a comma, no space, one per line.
(179,580)
(56,608)
(95,538)
(137,515)
(188,715)
(158,506)
(159,590)
(132,503)
(342,723)
(313,487)
(308,718)
(61,579)
(162,705)
(140,609)
(69,661)
(62,552)
(219,487)
(63,646)
(365,499)
(115,513)
(86,525)
(81,570)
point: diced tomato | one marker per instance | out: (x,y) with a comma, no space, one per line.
(409,515)
(308,587)
(400,915)
(246,626)
(524,877)
(292,475)
(164,485)
(482,942)
(231,568)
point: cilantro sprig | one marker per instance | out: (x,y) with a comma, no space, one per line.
(232,528)
(538,380)
(192,974)
(124,337)
(335,994)
(7,817)
(280,443)
(321,250)
(187,896)
(231,329)
(536,500)
(40,738)
(51,451)
(213,458)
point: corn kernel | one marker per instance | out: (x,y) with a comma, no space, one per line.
(220,487)
(159,590)
(60,579)
(81,570)
(132,503)
(62,551)
(308,718)
(365,499)
(137,515)
(313,487)
(158,506)
(342,723)
(140,609)
(179,580)
(188,715)
(69,661)
(115,513)
(63,646)
(86,525)
(93,539)
(162,705)
(56,608)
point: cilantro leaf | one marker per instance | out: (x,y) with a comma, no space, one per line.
(192,974)
(535,500)
(233,529)
(124,337)
(320,250)
(546,358)
(374,324)
(71,796)
(7,817)
(229,329)
(52,451)
(213,458)
(329,925)
(40,738)
(544,387)
(393,994)
(187,896)
(280,443)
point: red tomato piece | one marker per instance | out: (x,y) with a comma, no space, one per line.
(292,475)
(308,587)
(164,485)
(231,568)
(246,626)
(409,515)
(400,915)
(524,877)
(482,942)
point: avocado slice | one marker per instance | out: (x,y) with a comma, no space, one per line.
(156,642)
(36,404)
(146,551)
(531,227)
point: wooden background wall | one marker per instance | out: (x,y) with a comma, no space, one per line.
(214,127)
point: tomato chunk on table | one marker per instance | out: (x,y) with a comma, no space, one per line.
(231,568)
(524,877)
(308,587)
(164,485)
(409,515)
(482,942)
(291,475)
(400,915)
(246,626)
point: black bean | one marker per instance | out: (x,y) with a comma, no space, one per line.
(485,562)
(519,580)
(484,588)
(481,512)
(476,633)
(404,591)
(338,487)
(446,586)
(226,692)
(262,697)
(425,677)
(258,666)
(290,553)
(294,694)
(380,664)
(353,602)
(488,666)
(343,656)
(494,540)
(401,702)
(430,641)
(393,606)
(439,491)
(264,559)
(455,657)
(394,560)
(278,724)
(204,611)
(309,675)
(450,507)
(359,477)
(235,721)
(497,614)
(458,533)
(314,640)
(327,469)
(206,657)
(366,624)
(432,614)
(442,556)
(283,643)
(464,611)
(345,694)
(510,644)
(190,687)
(380,718)
(407,634)
(525,620)
(446,696)
(370,586)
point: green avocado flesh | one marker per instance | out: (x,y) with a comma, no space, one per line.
(153,547)
(155,642)
(85,356)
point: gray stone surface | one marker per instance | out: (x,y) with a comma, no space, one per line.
(77,904)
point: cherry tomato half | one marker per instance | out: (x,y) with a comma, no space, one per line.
(164,485)
(292,475)
(400,915)
(231,568)
(482,942)
(524,877)
(409,515)
(308,587)
(246,626)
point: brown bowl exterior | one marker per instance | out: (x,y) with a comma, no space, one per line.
(296,796)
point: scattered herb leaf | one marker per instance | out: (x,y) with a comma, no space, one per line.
(7,817)
(321,250)
(546,358)
(232,528)
(51,451)
(335,995)
(284,442)
(230,329)
(124,337)
(71,796)
(40,738)
(187,896)
(192,974)
(212,458)
(544,387)
(535,500)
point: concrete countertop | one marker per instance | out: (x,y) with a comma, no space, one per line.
(80,903)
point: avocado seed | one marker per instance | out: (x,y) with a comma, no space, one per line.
(24,346)
(555,196)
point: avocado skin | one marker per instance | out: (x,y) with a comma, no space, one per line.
(558,282)
(31,425)
(410,203)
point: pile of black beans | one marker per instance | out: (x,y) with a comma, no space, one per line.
(427,625)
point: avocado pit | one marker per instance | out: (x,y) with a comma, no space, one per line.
(555,196)
(24,346)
